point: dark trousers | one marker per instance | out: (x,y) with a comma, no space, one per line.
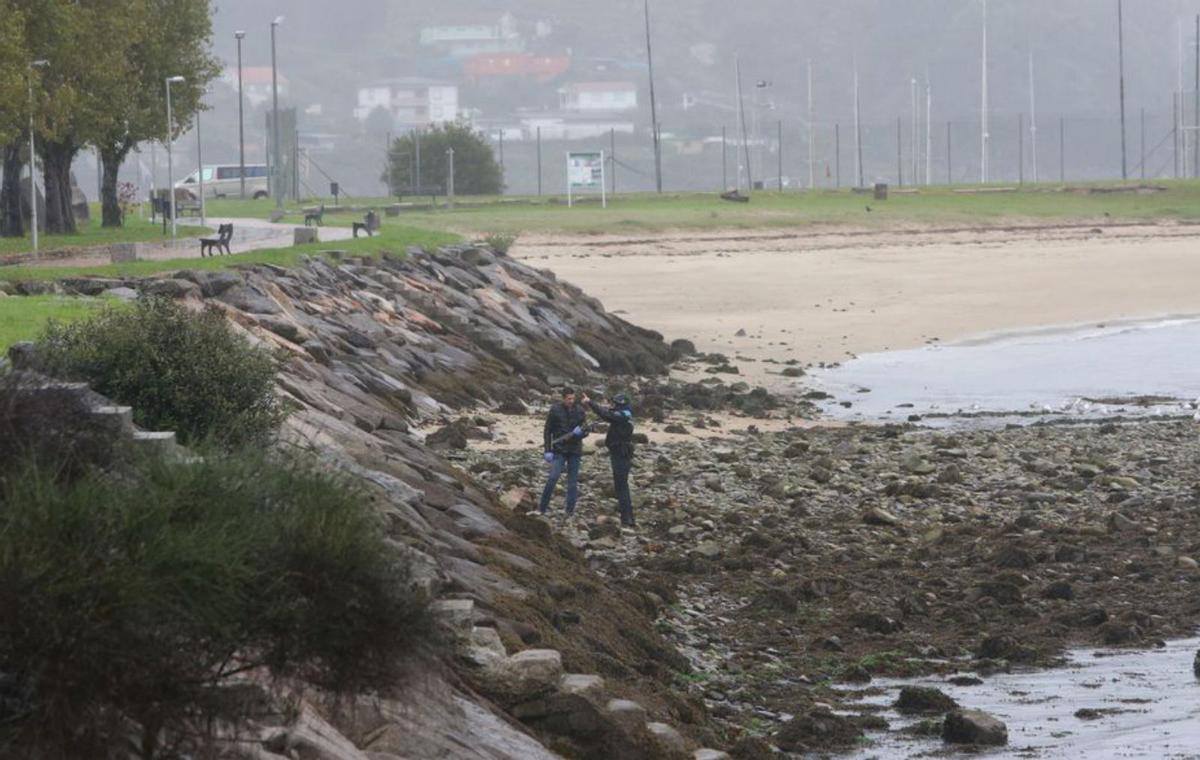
(621,465)
(569,462)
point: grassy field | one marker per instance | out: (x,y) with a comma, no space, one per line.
(23,317)
(392,238)
(647,212)
(135,231)
(943,206)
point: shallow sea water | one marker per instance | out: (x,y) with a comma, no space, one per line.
(1050,374)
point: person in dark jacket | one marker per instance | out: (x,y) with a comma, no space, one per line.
(619,441)
(563,447)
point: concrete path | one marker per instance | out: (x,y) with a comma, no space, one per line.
(248,235)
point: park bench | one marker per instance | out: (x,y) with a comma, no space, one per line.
(219,243)
(316,216)
(369,224)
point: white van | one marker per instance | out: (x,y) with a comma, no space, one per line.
(225,181)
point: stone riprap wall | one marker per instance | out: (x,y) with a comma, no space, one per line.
(537,644)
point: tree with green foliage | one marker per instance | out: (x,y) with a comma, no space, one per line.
(476,171)
(86,45)
(170,38)
(13,116)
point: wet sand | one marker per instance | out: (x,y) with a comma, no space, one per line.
(824,295)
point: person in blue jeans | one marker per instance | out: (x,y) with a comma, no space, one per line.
(619,441)
(563,448)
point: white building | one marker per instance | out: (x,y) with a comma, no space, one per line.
(599,96)
(412,101)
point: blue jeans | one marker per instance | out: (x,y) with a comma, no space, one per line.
(621,465)
(571,462)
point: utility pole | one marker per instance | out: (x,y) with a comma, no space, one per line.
(1143,143)
(1033,118)
(928,131)
(983,121)
(899,151)
(1121,60)
(779,152)
(1196,108)
(812,134)
(1020,149)
(724,163)
(837,154)
(450,177)
(653,107)
(1062,150)
(858,153)
(949,157)
(539,160)
(737,67)
(914,137)
(612,160)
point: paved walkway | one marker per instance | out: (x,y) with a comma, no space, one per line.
(248,235)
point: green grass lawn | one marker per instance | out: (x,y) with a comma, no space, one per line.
(92,234)
(648,212)
(23,317)
(392,238)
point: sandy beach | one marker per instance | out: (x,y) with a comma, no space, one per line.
(826,294)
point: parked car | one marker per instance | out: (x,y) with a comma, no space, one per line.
(225,181)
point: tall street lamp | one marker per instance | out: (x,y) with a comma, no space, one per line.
(33,210)
(170,143)
(241,118)
(200,161)
(277,179)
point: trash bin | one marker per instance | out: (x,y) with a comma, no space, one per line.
(758,185)
(881,191)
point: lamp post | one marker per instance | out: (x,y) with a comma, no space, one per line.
(241,119)
(277,179)
(33,211)
(200,162)
(170,143)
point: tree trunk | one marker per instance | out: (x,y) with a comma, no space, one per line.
(11,224)
(110,205)
(56,163)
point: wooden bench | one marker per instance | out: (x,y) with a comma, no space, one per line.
(219,243)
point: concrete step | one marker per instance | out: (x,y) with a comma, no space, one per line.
(162,441)
(119,419)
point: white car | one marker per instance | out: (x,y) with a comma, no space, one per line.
(224,181)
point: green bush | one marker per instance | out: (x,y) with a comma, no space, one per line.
(179,370)
(127,603)
(476,171)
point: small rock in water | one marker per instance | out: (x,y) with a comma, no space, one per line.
(924,699)
(1196,665)
(974,727)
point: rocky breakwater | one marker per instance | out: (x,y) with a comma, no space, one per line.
(539,654)
(794,569)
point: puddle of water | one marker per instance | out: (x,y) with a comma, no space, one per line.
(1149,703)
(1047,373)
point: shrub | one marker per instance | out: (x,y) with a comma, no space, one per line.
(126,604)
(500,242)
(179,370)
(476,171)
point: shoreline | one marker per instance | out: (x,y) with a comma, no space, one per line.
(813,298)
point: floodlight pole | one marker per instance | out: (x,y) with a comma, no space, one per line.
(277,186)
(658,185)
(1121,60)
(241,118)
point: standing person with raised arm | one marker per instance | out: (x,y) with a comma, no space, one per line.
(619,441)
(563,448)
